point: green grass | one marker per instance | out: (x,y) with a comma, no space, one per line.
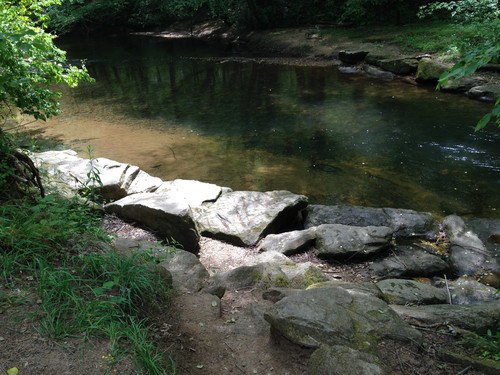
(56,250)
(486,346)
(443,37)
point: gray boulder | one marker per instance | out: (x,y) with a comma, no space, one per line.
(342,360)
(336,316)
(193,193)
(276,294)
(487,93)
(468,255)
(352,57)
(403,292)
(405,223)
(187,271)
(289,243)
(466,291)
(303,275)
(350,70)
(410,261)
(269,257)
(263,275)
(400,66)
(118,179)
(463,84)
(169,218)
(378,73)
(429,70)
(488,231)
(337,240)
(477,318)
(361,287)
(243,217)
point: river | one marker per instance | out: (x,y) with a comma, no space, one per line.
(177,110)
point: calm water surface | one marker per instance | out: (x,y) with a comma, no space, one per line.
(163,106)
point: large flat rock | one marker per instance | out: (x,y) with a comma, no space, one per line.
(171,219)
(404,223)
(243,217)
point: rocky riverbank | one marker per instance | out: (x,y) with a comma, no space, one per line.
(341,285)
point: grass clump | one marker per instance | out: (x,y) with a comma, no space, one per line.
(486,346)
(55,250)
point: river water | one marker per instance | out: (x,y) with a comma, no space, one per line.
(165,106)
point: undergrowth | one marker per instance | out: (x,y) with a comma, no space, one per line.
(57,248)
(449,39)
(486,346)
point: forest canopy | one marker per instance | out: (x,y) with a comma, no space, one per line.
(91,15)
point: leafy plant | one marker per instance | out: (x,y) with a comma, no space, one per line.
(463,10)
(92,186)
(30,61)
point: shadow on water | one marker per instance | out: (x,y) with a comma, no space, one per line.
(160,105)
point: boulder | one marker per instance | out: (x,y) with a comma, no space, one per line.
(352,57)
(465,291)
(342,360)
(276,294)
(338,240)
(171,219)
(269,257)
(410,261)
(488,231)
(487,93)
(350,70)
(303,275)
(399,66)
(405,223)
(463,84)
(403,292)
(429,70)
(378,73)
(263,275)
(289,243)
(336,316)
(243,217)
(477,318)
(193,192)
(118,179)
(361,287)
(187,271)
(468,255)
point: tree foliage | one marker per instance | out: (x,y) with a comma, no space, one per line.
(29,61)
(486,48)
(30,64)
(94,15)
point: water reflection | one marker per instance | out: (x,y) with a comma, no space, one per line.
(249,125)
